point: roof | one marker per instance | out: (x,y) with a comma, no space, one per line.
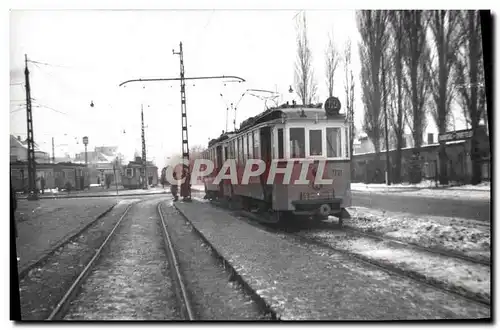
(222,137)
(148,163)
(15,143)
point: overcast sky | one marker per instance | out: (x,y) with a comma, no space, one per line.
(84,55)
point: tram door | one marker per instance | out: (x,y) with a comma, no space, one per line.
(218,165)
(265,147)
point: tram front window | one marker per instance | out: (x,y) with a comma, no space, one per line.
(316,142)
(297,142)
(333,142)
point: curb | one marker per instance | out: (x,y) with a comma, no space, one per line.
(41,260)
(263,304)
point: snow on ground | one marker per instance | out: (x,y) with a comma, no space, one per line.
(198,187)
(449,272)
(464,236)
(128,201)
(428,189)
(424,184)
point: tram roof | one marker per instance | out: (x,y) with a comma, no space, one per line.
(287,111)
(290,112)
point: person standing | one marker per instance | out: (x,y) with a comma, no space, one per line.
(185,186)
(42,183)
(173,187)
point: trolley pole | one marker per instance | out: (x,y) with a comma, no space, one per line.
(143,150)
(32,191)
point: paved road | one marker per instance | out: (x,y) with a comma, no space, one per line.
(468,209)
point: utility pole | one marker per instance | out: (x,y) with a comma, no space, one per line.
(53,153)
(144,150)
(185,145)
(32,191)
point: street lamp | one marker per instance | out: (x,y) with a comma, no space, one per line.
(85,142)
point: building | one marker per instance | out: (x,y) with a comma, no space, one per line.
(19,151)
(459,165)
(103,162)
(57,176)
(132,174)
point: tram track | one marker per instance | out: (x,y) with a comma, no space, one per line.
(69,308)
(126,280)
(255,220)
(433,250)
(183,295)
(41,261)
(61,307)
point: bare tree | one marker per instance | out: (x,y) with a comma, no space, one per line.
(386,67)
(469,80)
(372,27)
(415,23)
(445,28)
(305,84)
(349,93)
(395,80)
(332,59)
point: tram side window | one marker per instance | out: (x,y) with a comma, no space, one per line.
(256,144)
(250,145)
(316,142)
(297,142)
(233,149)
(245,147)
(280,144)
(333,142)
(240,150)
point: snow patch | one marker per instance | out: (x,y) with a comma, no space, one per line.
(198,187)
(128,201)
(469,237)
(465,275)
(428,189)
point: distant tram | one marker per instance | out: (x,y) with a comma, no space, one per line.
(294,135)
(132,175)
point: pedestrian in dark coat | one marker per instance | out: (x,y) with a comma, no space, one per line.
(185,186)
(173,187)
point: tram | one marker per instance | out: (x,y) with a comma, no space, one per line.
(311,142)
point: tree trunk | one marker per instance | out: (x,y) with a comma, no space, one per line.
(384,91)
(399,129)
(441,104)
(473,60)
